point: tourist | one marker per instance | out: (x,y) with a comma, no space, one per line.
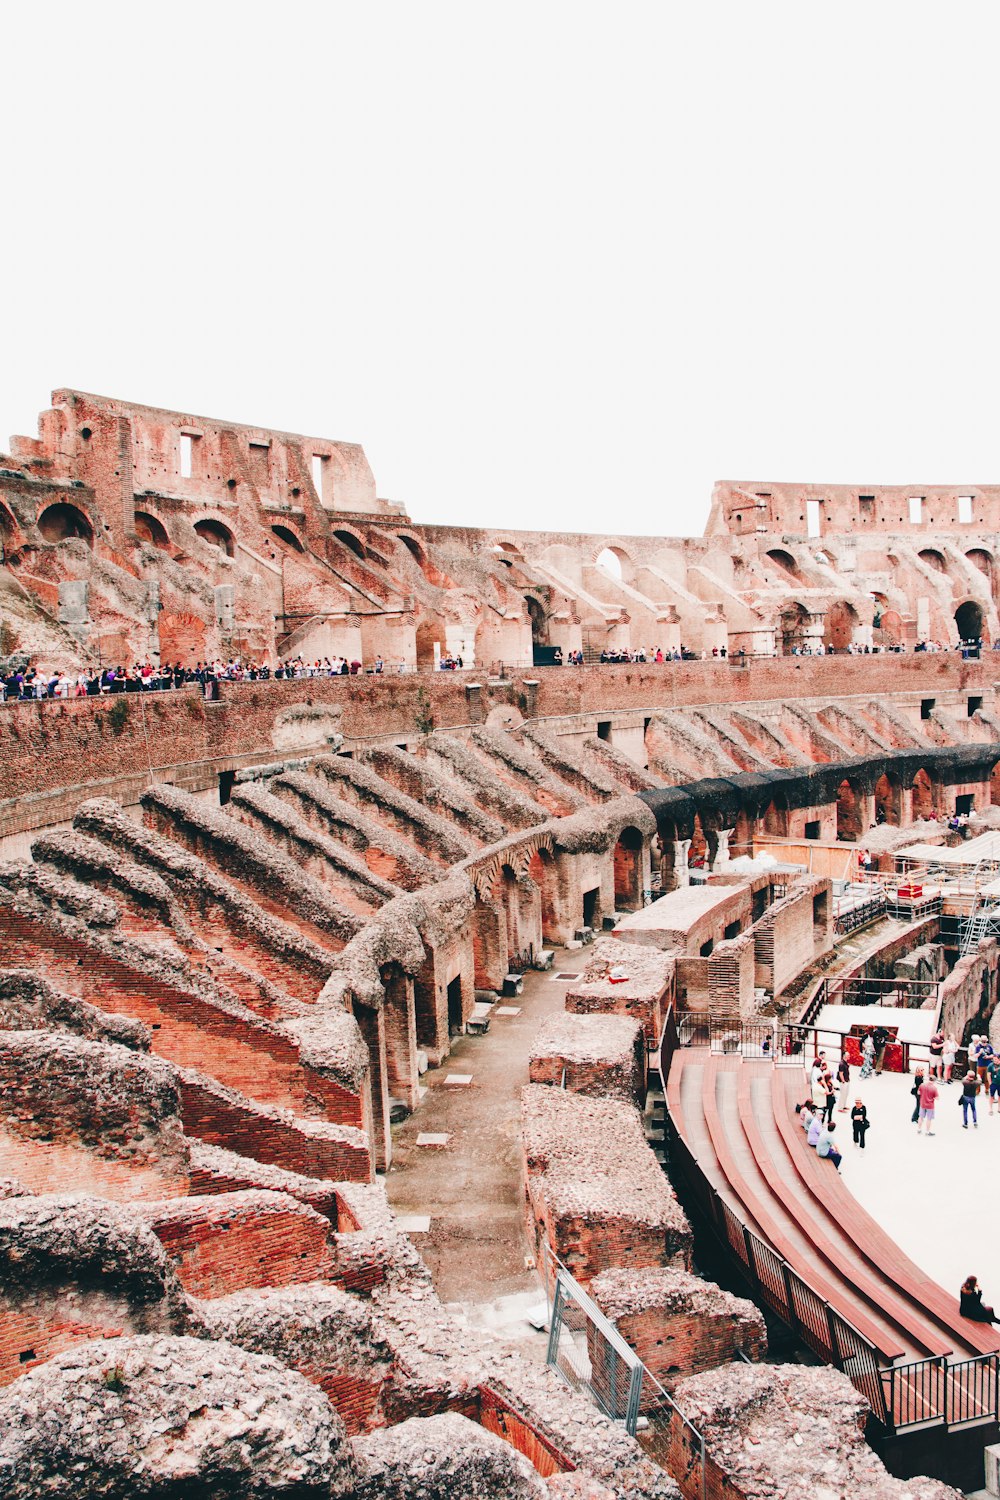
(805,1113)
(844,1079)
(970,1088)
(994,1080)
(880,1038)
(826,1147)
(815,1128)
(829,1096)
(927,1098)
(983,1059)
(867,1055)
(948,1056)
(918,1079)
(859,1123)
(937,1051)
(971,1305)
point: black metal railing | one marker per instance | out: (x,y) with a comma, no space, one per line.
(906,1397)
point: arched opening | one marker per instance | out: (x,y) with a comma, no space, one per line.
(60,523)
(887,623)
(287,535)
(216,535)
(794,620)
(628,870)
(370,1024)
(784,561)
(415,550)
(923,796)
(887,800)
(839,626)
(981,559)
(848,813)
(616,564)
(351,541)
(151,531)
(508,554)
(430,633)
(539,621)
(8,526)
(969,621)
(933,559)
(704,843)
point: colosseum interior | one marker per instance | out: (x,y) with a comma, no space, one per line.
(391,1085)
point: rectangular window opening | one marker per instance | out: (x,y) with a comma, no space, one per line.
(706,948)
(973,706)
(318,473)
(604,729)
(965,510)
(964,803)
(733,930)
(926,707)
(866,507)
(813,521)
(187,455)
(916,509)
(812,830)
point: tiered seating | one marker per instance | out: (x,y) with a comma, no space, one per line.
(737,1119)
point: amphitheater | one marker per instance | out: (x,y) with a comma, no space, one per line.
(397,1068)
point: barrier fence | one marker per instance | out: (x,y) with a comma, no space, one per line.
(923,1393)
(591,1356)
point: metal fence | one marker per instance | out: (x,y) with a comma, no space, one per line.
(923,1393)
(591,1356)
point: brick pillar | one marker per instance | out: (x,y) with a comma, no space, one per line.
(474,701)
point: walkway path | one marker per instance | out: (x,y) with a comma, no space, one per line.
(470,1186)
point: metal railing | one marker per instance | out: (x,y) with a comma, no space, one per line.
(906,1397)
(590,1355)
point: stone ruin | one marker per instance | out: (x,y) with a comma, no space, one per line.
(223,974)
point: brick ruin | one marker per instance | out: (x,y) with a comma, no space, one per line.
(235,934)
(132,533)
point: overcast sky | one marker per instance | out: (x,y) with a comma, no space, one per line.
(553,265)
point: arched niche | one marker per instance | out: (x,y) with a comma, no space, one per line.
(216,535)
(62,522)
(151,530)
(286,535)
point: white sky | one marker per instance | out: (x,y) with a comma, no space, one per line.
(553,265)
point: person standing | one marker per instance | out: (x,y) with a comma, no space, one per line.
(918,1078)
(983,1060)
(948,1056)
(970,1088)
(937,1053)
(928,1099)
(844,1080)
(994,1077)
(881,1040)
(829,1097)
(867,1055)
(859,1123)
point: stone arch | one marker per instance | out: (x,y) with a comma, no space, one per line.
(543,869)
(849,822)
(539,620)
(922,789)
(62,522)
(980,558)
(969,621)
(399,1027)
(627,861)
(839,625)
(793,624)
(614,561)
(933,559)
(351,540)
(288,536)
(216,534)
(151,530)
(783,560)
(507,551)
(8,525)
(888,800)
(430,632)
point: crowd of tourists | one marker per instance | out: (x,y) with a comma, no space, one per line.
(23,683)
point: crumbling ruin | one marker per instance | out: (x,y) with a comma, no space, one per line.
(236,933)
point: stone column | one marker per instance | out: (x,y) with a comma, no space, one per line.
(676,874)
(722,851)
